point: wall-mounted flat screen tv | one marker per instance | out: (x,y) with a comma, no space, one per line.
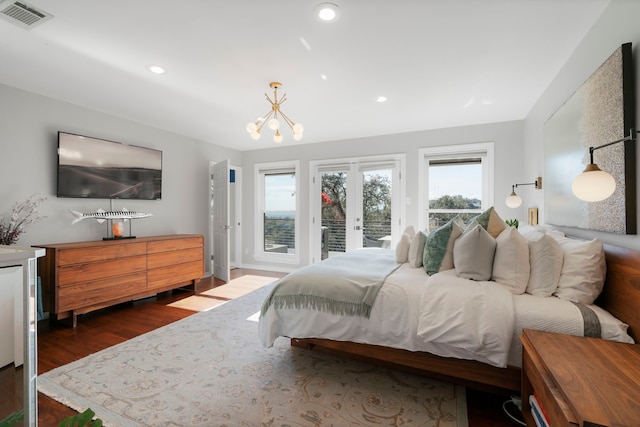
(100,169)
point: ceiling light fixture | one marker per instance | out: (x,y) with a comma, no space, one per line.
(594,184)
(513,200)
(326,12)
(156,69)
(381,99)
(273,123)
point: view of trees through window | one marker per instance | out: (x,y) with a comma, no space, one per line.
(455,188)
(376,208)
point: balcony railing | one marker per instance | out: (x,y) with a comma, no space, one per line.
(279,234)
(336,229)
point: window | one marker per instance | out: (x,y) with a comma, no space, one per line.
(455,180)
(277,223)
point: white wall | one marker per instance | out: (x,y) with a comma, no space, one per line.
(507,137)
(28,137)
(618,24)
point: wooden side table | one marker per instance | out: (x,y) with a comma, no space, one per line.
(580,380)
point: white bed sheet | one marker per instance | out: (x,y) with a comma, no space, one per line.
(394,319)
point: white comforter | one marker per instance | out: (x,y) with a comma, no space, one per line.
(400,318)
(466,319)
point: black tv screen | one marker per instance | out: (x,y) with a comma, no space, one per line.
(100,169)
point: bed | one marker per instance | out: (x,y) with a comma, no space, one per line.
(401,330)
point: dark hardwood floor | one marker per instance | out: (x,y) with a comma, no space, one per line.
(59,344)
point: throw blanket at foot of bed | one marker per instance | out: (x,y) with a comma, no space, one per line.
(346,284)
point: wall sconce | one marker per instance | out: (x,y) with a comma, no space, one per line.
(513,201)
(594,184)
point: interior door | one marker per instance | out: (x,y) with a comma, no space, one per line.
(220,177)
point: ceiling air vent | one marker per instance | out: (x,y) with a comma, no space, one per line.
(21,14)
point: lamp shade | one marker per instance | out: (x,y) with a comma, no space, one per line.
(513,201)
(593,185)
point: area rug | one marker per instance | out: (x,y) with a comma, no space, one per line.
(210,369)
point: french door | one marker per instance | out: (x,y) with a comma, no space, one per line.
(356,205)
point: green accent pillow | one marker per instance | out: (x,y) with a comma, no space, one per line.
(438,249)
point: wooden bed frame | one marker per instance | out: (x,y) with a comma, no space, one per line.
(621,297)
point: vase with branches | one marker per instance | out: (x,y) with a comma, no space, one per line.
(23,214)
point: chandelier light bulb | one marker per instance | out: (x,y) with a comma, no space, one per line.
(277,138)
(273,124)
(251,127)
(297,136)
(298,128)
(255,135)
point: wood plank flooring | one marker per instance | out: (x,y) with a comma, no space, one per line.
(59,344)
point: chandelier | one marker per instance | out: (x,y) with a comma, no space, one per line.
(271,119)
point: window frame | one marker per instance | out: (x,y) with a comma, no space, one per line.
(483,149)
(261,170)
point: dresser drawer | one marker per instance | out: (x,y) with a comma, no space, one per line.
(94,292)
(165,259)
(174,244)
(87,272)
(99,253)
(165,276)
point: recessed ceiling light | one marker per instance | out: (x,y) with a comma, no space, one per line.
(326,12)
(323,76)
(156,69)
(381,99)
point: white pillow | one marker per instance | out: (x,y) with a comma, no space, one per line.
(611,327)
(410,231)
(511,261)
(473,254)
(416,249)
(545,258)
(402,248)
(583,271)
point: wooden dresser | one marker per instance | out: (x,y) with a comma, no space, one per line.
(581,381)
(85,276)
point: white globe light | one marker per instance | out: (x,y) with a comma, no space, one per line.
(513,201)
(297,136)
(251,127)
(277,138)
(298,128)
(593,185)
(255,136)
(274,124)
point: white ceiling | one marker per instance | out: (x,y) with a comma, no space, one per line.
(440,63)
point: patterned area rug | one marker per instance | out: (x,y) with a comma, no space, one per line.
(210,369)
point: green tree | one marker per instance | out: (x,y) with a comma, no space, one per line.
(451,202)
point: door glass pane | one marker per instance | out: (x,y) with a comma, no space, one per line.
(455,188)
(279,213)
(334,213)
(376,208)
